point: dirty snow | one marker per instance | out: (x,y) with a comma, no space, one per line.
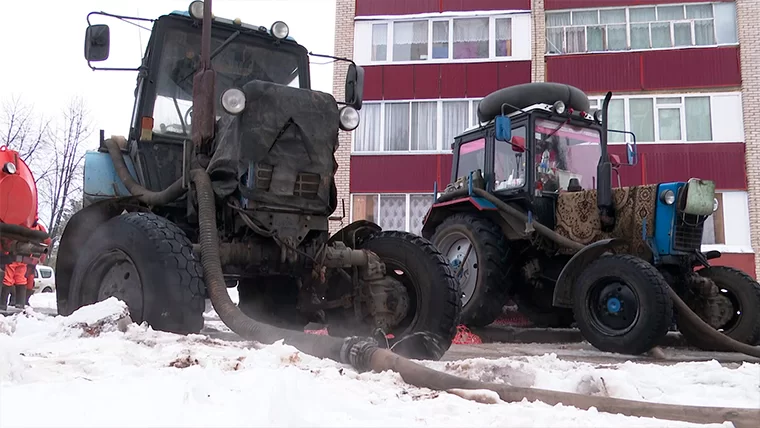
(94,369)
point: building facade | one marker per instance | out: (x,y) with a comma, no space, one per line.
(683,76)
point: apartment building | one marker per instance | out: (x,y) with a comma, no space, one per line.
(683,75)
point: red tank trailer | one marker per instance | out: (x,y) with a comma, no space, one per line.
(19,238)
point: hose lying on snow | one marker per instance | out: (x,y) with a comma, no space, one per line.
(364,354)
(144,195)
(689,316)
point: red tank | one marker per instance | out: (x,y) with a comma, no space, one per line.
(18,192)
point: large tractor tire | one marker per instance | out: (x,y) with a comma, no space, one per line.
(741,320)
(621,305)
(433,293)
(484,276)
(147,262)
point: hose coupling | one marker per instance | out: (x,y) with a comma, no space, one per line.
(357,351)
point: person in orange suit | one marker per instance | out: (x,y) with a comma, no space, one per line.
(14,280)
(31,267)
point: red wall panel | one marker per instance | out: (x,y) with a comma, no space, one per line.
(395,7)
(373,83)
(659,163)
(468,5)
(652,70)
(425,81)
(722,162)
(482,79)
(399,173)
(578,4)
(398,82)
(407,7)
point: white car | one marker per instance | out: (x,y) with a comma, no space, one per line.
(44,279)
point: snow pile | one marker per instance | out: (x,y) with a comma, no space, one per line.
(92,366)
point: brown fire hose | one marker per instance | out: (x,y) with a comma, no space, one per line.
(364,354)
(689,316)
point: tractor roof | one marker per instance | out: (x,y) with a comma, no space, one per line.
(230,22)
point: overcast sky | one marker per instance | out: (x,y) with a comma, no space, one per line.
(43,48)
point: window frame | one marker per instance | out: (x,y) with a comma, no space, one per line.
(407,205)
(441,146)
(628,24)
(492,56)
(656,122)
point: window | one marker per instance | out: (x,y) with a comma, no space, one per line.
(45,273)
(413,126)
(392,211)
(509,165)
(439,39)
(636,28)
(671,118)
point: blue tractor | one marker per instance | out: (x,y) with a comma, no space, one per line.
(531,214)
(227,177)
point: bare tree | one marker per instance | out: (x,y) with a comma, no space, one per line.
(23,131)
(67,153)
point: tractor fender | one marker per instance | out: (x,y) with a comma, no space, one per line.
(75,235)
(355,232)
(441,210)
(563,289)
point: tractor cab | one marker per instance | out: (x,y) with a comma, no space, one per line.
(536,150)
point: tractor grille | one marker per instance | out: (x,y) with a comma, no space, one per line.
(307,185)
(688,237)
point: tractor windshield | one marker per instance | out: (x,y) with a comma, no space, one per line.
(241,61)
(564,151)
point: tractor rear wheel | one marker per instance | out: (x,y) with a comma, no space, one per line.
(740,315)
(621,305)
(147,262)
(477,251)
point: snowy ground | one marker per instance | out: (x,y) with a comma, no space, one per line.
(89,374)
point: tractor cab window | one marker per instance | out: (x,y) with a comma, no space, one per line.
(241,61)
(472,156)
(509,162)
(564,151)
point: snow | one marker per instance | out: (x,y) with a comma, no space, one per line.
(97,369)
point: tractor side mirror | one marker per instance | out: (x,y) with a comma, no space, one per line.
(503,128)
(631,152)
(97,42)
(355,86)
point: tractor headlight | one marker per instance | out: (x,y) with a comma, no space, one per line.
(349,118)
(196,9)
(668,197)
(279,30)
(716,205)
(9,168)
(559,107)
(233,101)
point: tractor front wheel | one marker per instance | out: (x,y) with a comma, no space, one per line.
(434,306)
(477,251)
(621,305)
(739,311)
(147,262)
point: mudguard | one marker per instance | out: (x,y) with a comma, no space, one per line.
(355,232)
(563,289)
(75,235)
(440,210)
